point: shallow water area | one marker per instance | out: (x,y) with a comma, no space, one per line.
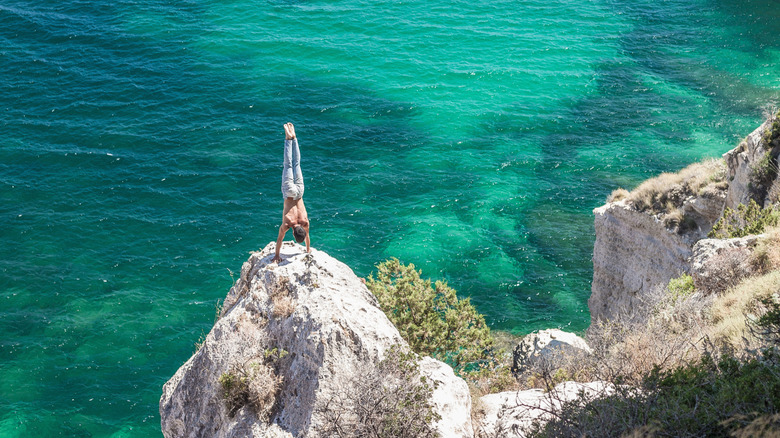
(140,161)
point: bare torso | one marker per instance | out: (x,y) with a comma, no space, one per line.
(294,213)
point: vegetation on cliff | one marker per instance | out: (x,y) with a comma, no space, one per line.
(683,364)
(392,399)
(744,220)
(431,318)
(665,195)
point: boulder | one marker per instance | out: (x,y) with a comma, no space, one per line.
(509,414)
(718,264)
(548,345)
(310,328)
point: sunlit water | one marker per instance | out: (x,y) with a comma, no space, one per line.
(140,161)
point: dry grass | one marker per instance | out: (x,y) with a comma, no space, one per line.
(727,315)
(282,300)
(766,256)
(725,270)
(618,195)
(668,333)
(255,384)
(666,192)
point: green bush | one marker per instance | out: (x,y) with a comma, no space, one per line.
(745,220)
(767,326)
(680,287)
(773,133)
(431,318)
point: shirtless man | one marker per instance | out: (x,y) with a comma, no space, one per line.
(294,214)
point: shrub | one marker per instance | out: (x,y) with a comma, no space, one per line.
(706,398)
(431,318)
(745,220)
(767,326)
(762,175)
(766,256)
(255,384)
(772,135)
(389,400)
(281,298)
(725,269)
(680,287)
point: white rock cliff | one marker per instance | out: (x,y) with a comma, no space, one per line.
(634,252)
(330,329)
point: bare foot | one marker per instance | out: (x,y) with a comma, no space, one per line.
(289,131)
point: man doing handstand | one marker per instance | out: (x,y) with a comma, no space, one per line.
(294,213)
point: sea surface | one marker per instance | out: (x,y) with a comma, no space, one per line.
(141,148)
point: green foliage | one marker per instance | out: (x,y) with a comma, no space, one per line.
(255,383)
(745,220)
(235,390)
(709,398)
(390,400)
(680,287)
(274,354)
(773,133)
(431,318)
(763,173)
(767,326)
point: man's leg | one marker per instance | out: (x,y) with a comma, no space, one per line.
(287,172)
(292,178)
(296,163)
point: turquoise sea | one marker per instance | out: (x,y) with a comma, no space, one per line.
(141,146)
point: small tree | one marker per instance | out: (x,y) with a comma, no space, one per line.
(431,318)
(745,220)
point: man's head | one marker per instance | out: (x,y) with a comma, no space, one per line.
(299,233)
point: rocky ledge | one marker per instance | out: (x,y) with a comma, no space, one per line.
(304,331)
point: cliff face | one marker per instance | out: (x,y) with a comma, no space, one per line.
(303,332)
(742,162)
(635,252)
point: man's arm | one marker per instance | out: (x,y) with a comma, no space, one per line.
(282,231)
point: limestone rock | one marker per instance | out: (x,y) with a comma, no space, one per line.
(740,162)
(509,414)
(547,345)
(633,253)
(313,322)
(451,399)
(718,264)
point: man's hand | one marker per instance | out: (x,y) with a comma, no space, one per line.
(276,259)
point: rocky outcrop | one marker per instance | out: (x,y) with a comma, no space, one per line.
(742,162)
(509,414)
(313,328)
(547,345)
(634,252)
(718,264)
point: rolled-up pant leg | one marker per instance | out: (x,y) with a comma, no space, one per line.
(292,177)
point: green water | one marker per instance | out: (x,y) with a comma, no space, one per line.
(140,161)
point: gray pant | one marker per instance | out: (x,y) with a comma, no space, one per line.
(292,178)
